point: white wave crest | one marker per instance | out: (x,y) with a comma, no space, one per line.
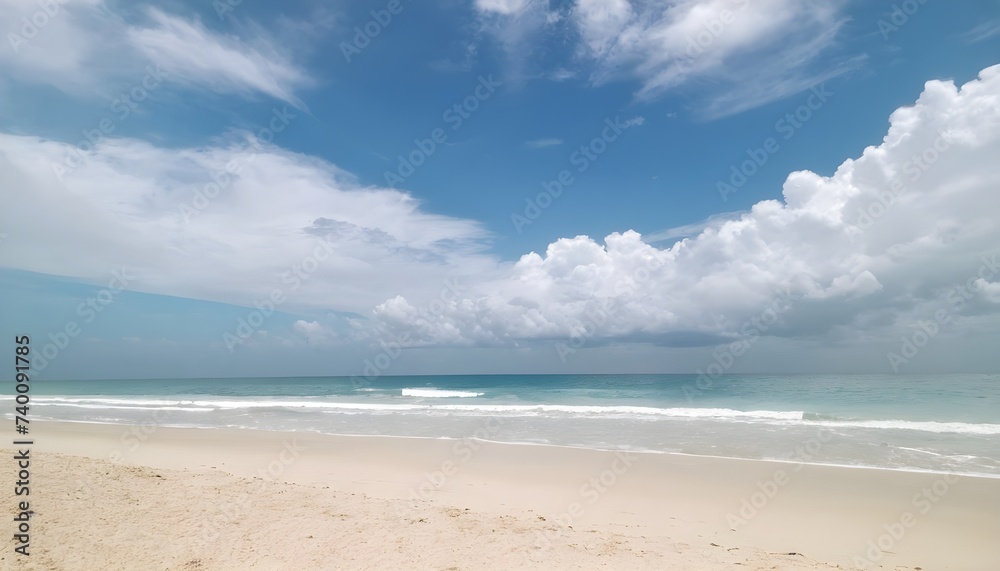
(439,393)
(786,418)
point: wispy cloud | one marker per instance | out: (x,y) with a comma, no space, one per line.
(562,74)
(515,25)
(636,121)
(459,63)
(740,55)
(983,31)
(505,7)
(757,53)
(690,230)
(90,47)
(542,143)
(224,64)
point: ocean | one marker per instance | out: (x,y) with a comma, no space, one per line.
(922,423)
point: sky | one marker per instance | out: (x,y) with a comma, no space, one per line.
(235,188)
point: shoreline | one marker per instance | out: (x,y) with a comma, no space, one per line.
(691,512)
(552,445)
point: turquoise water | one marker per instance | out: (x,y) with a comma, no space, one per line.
(939,423)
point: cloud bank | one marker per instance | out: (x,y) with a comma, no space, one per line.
(873,248)
(225,223)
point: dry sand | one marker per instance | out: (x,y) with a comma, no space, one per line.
(113,497)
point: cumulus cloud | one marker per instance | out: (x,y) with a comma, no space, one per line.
(990,291)
(314,332)
(874,246)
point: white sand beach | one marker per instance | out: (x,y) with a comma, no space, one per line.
(116,497)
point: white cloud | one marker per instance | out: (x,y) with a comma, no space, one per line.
(636,121)
(199,57)
(983,31)
(843,272)
(602,23)
(87,48)
(314,332)
(990,291)
(689,230)
(505,7)
(122,207)
(515,25)
(739,53)
(752,52)
(59,52)
(562,74)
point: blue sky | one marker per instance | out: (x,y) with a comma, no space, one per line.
(683,94)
